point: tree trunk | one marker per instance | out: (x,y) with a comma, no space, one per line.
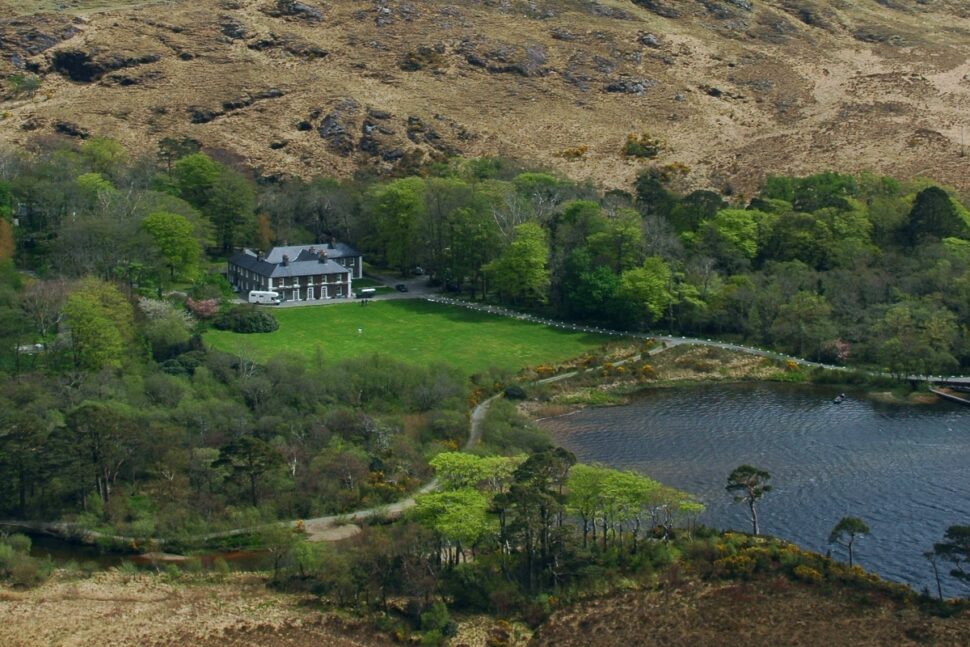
(754,517)
(22,487)
(936,576)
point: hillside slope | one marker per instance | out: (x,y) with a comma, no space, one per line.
(735,88)
(769,612)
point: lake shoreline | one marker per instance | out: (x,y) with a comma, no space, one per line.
(618,395)
(687,367)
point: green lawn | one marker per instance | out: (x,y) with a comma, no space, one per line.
(367,282)
(411,330)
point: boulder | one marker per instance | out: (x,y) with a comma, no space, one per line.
(71,129)
(334,132)
(87,66)
(630,86)
(295,9)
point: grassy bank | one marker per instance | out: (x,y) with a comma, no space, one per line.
(687,365)
(411,330)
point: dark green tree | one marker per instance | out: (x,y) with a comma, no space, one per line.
(846,531)
(229,206)
(171,149)
(955,548)
(106,436)
(934,215)
(748,484)
(249,458)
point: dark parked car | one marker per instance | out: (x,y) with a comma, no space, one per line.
(400,287)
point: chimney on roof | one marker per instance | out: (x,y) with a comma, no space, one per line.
(259,255)
(286,260)
(333,243)
(322,257)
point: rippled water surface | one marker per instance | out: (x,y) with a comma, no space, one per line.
(905,470)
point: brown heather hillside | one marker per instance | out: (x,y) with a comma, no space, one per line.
(736,88)
(764,613)
(110,608)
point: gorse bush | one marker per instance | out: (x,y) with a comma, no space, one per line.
(644,146)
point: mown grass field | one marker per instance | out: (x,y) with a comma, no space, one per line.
(411,330)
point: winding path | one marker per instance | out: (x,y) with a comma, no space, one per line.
(321,528)
(328,528)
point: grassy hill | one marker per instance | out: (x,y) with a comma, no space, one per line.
(734,88)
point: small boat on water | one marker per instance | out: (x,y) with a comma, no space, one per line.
(839,399)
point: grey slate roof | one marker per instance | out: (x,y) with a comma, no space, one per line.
(248,261)
(309,268)
(303,264)
(333,250)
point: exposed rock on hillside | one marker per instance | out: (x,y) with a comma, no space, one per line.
(736,88)
(86,66)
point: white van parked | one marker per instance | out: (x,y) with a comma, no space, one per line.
(272,298)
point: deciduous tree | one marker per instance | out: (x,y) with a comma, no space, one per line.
(100,323)
(175,238)
(520,274)
(648,289)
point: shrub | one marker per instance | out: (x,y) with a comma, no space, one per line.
(7,557)
(422,58)
(762,557)
(515,392)
(574,153)
(23,84)
(27,571)
(735,566)
(203,308)
(246,319)
(20,543)
(211,286)
(172,573)
(127,570)
(436,619)
(808,574)
(643,146)
(220,566)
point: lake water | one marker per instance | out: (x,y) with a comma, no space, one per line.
(905,470)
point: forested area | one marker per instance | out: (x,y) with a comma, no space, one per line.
(111,269)
(863,270)
(856,270)
(113,414)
